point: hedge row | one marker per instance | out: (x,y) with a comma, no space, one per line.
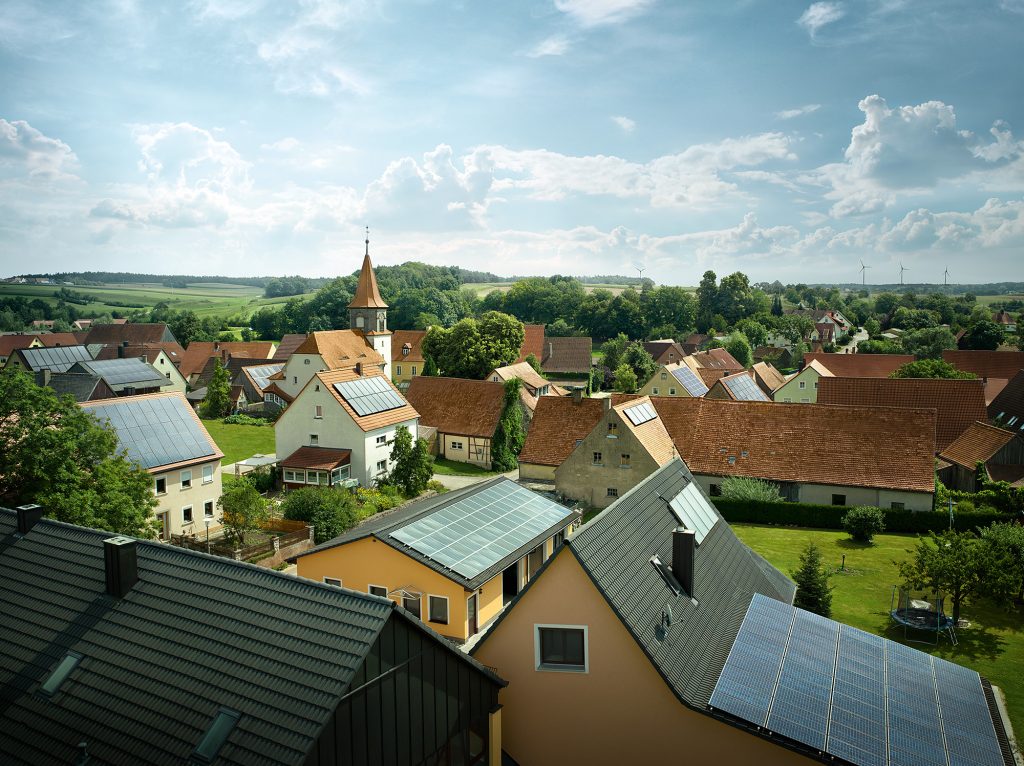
(831,516)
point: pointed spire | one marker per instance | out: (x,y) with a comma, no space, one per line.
(367,295)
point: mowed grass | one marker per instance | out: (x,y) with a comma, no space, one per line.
(446,467)
(988,300)
(240,442)
(206,299)
(993,645)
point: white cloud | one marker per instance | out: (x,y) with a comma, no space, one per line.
(789,114)
(286,144)
(25,151)
(556,45)
(627,125)
(592,13)
(819,15)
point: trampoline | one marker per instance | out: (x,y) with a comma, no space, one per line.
(921,614)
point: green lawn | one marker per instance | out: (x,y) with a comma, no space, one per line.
(993,645)
(447,467)
(240,442)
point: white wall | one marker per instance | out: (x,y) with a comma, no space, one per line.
(176,497)
(821,494)
(298,371)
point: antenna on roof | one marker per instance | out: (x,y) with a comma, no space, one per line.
(367,240)
(863,269)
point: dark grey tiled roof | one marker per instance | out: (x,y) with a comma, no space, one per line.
(194,634)
(79,385)
(615,549)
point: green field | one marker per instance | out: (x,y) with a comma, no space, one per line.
(206,299)
(240,442)
(993,645)
(482,288)
(988,300)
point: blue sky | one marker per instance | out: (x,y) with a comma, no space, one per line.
(784,139)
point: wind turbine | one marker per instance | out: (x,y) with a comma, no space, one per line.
(863,276)
(902,269)
(641,270)
(945,277)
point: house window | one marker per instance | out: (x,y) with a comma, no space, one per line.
(382,466)
(360,322)
(411,604)
(561,647)
(295,380)
(377,590)
(333,581)
(624,460)
(611,492)
(314,439)
(340,474)
(671,392)
(186,514)
(186,480)
(208,509)
(533,561)
(655,391)
(597,458)
(897,506)
(160,485)
(557,540)
(293,476)
(803,384)
(207,474)
(398,369)
(716,490)
(838,499)
(414,369)
(318,411)
(305,361)
(613,427)
(787,400)
(456,445)
(805,400)
(382,440)
(815,384)
(664,376)
(437,609)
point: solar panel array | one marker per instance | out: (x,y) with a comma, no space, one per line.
(368,396)
(478,531)
(155,431)
(120,372)
(641,413)
(868,700)
(261,374)
(57,358)
(688,379)
(694,511)
(744,389)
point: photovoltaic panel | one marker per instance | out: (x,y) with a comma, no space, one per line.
(688,379)
(744,389)
(121,372)
(260,374)
(476,532)
(640,413)
(155,431)
(57,358)
(868,700)
(368,396)
(694,511)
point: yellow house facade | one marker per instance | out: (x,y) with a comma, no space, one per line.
(802,388)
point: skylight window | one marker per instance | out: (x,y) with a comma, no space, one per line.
(52,684)
(215,737)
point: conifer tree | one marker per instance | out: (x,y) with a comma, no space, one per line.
(218,394)
(813,592)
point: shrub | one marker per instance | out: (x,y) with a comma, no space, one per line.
(263,478)
(437,486)
(747,488)
(864,522)
(382,498)
(330,511)
(244,420)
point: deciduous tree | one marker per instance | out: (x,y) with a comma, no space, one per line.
(244,509)
(952,562)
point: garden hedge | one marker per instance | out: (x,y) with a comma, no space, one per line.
(831,516)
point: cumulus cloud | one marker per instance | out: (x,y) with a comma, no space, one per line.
(26,153)
(556,45)
(627,125)
(592,13)
(910,149)
(819,15)
(789,114)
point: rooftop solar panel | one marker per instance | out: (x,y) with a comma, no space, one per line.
(688,379)
(155,431)
(694,511)
(260,374)
(123,372)
(744,389)
(57,358)
(478,531)
(640,413)
(868,700)
(368,396)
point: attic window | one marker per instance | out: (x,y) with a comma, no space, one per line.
(215,737)
(52,684)
(732,460)
(744,453)
(666,575)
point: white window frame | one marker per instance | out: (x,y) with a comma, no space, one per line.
(156,491)
(314,440)
(803,384)
(209,515)
(183,480)
(382,466)
(655,391)
(370,585)
(382,440)
(318,412)
(541,668)
(447,610)
(671,392)
(398,369)
(332,581)
(191,513)
(207,477)
(414,369)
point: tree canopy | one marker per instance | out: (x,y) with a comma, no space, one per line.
(472,348)
(217,402)
(931,368)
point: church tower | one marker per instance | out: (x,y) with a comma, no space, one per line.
(368,313)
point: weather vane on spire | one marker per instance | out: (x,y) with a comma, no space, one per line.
(367,240)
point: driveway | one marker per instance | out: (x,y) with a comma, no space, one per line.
(851,347)
(458,482)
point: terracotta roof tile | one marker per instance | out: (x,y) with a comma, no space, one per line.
(665,351)
(651,434)
(558,423)
(977,444)
(135,333)
(785,442)
(958,403)
(767,377)
(411,338)
(367,295)
(200,352)
(1009,401)
(533,342)
(367,422)
(709,377)
(987,364)
(287,346)
(275,389)
(318,458)
(456,405)
(10,343)
(860,365)
(340,348)
(567,355)
(714,359)
(523,371)
(51,339)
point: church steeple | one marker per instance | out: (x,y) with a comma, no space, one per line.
(367,295)
(368,313)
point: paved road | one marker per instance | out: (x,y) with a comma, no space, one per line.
(458,482)
(851,347)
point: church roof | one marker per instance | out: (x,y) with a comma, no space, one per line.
(367,295)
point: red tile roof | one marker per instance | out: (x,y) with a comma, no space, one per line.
(533,342)
(860,365)
(317,458)
(987,364)
(979,443)
(411,338)
(665,351)
(135,333)
(567,355)
(367,295)
(366,422)
(716,359)
(341,348)
(199,353)
(767,377)
(558,423)
(1009,401)
(456,405)
(10,343)
(958,403)
(51,339)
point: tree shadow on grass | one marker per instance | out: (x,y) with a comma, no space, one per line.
(973,643)
(850,544)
